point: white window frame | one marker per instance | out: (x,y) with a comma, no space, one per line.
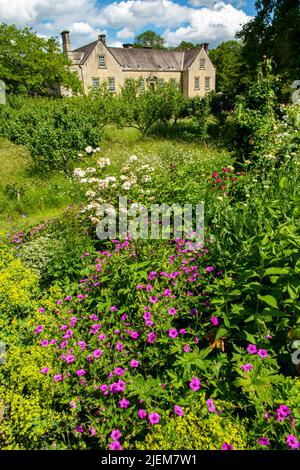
(112,84)
(102,65)
(142,84)
(95,79)
(207,86)
(202,64)
(196,80)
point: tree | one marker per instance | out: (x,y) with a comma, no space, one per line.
(33,65)
(274,33)
(149,39)
(185,46)
(227,60)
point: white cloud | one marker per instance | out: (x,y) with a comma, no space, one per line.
(81,28)
(215,22)
(125,33)
(116,44)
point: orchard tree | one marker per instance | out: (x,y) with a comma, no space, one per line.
(32,65)
(149,39)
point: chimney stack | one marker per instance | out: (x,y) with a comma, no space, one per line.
(102,38)
(205,45)
(66,42)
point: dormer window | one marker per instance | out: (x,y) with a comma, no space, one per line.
(101,62)
(202,64)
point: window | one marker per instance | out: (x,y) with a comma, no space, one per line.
(101,62)
(207,83)
(142,84)
(112,84)
(197,83)
(202,64)
(96,82)
(161,82)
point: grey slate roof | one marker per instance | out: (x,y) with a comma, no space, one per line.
(143,59)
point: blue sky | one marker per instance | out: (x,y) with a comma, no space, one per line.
(176,20)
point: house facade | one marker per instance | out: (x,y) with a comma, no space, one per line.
(96,62)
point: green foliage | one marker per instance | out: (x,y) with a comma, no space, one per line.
(32,65)
(149,39)
(228,62)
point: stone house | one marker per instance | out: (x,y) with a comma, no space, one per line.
(96,62)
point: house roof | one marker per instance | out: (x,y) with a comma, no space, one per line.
(144,59)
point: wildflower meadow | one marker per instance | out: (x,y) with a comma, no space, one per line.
(142,343)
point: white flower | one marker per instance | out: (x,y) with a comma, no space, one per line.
(146,178)
(103,184)
(78,173)
(90,194)
(111,178)
(123,177)
(103,162)
(89,149)
(133,158)
(90,170)
(126,185)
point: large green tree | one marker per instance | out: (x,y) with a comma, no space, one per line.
(149,39)
(32,65)
(274,33)
(227,60)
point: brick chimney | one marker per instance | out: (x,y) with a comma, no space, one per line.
(66,42)
(102,38)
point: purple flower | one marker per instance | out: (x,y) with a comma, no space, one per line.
(142,414)
(154,418)
(57,378)
(115,445)
(41,310)
(45,370)
(227,446)
(282,412)
(104,389)
(124,403)
(79,428)
(186,348)
(153,299)
(214,321)
(82,345)
(119,346)
(252,349)
(262,353)
(292,442)
(173,333)
(209,269)
(38,329)
(172,311)
(139,286)
(80,372)
(211,406)
(115,434)
(134,363)
(113,308)
(247,367)
(70,358)
(182,331)
(167,293)
(195,384)
(263,441)
(119,371)
(92,431)
(178,410)
(151,338)
(97,353)
(44,343)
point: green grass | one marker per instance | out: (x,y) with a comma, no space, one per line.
(41,197)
